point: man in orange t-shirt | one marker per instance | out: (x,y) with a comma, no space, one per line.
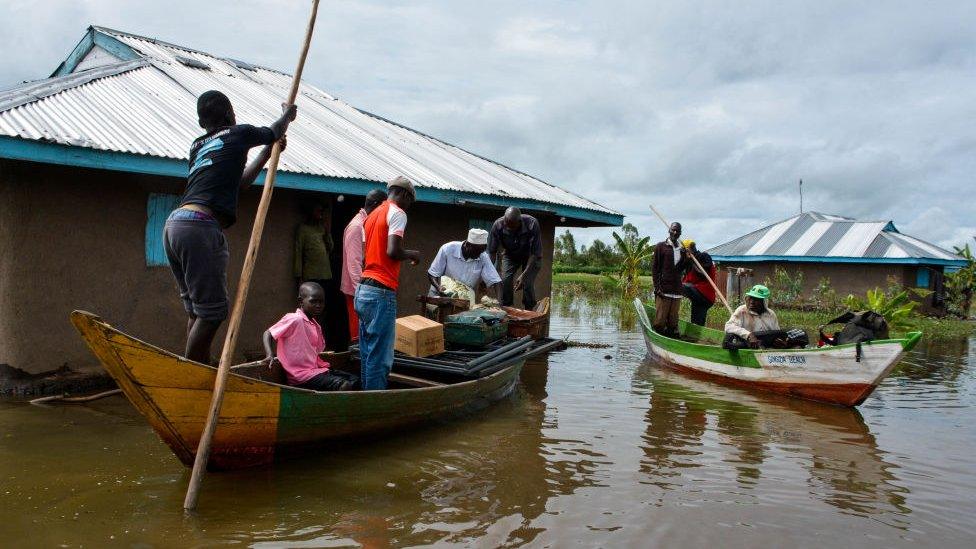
(375,300)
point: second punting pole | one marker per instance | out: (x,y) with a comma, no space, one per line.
(697,264)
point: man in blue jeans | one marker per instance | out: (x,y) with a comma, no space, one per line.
(376,296)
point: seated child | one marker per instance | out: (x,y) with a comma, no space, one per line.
(299,341)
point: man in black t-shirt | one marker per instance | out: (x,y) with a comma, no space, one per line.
(194,237)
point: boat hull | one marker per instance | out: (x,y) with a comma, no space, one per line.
(259,419)
(840,375)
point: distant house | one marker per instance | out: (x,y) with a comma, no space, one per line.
(855,255)
(94,158)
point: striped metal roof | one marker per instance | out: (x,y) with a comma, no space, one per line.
(140,98)
(813,236)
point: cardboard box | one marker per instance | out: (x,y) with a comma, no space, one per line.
(419,336)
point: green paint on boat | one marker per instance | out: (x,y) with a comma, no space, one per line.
(909,342)
(711,352)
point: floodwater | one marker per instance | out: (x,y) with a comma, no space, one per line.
(598,447)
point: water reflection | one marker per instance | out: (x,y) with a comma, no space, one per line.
(589,307)
(693,424)
(598,447)
(482,478)
(936,374)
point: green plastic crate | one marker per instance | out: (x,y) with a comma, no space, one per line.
(471,330)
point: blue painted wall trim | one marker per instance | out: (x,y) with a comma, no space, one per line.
(91,39)
(84,46)
(158,208)
(867,260)
(53,153)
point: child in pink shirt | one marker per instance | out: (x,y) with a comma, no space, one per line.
(299,341)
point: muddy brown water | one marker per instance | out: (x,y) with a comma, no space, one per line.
(590,451)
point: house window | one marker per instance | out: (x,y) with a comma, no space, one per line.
(922,278)
(158,209)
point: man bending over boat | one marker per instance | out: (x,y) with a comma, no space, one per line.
(466,262)
(194,233)
(299,340)
(753,317)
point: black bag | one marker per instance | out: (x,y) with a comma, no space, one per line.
(858,327)
(797,339)
(734,342)
(769,339)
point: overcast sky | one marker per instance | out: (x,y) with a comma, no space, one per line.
(710,110)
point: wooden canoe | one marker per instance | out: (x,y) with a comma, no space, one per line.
(259,418)
(834,375)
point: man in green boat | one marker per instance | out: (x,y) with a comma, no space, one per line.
(753,317)
(299,340)
(668,267)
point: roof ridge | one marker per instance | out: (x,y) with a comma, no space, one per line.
(36,90)
(106,30)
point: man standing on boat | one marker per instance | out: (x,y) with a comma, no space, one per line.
(352,257)
(697,289)
(193,235)
(668,267)
(518,237)
(376,295)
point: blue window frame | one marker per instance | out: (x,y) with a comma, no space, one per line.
(922,277)
(158,209)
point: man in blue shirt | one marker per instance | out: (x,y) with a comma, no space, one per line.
(193,236)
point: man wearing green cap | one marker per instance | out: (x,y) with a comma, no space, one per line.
(754,316)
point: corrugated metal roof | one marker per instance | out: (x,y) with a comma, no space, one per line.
(330,138)
(816,235)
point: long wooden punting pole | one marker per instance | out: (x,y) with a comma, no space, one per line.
(230,342)
(697,264)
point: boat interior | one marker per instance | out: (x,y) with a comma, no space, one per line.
(452,366)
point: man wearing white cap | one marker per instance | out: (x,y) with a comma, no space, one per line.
(465,262)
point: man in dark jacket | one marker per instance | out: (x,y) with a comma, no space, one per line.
(670,262)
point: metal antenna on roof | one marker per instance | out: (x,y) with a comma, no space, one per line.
(233,327)
(801,195)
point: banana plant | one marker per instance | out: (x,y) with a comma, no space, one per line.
(896,308)
(634,255)
(962,284)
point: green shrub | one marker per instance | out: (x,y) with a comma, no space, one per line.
(825,296)
(786,288)
(897,308)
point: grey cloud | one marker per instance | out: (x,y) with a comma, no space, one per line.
(711,110)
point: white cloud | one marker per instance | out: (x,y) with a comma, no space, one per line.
(543,37)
